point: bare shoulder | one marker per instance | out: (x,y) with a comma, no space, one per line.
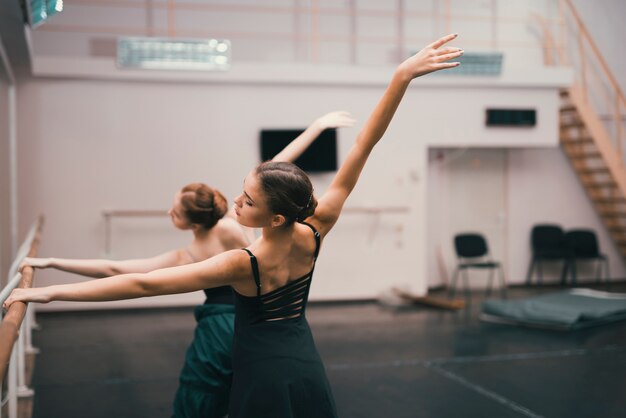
(305,237)
(179,257)
(233,263)
(323,219)
(226,224)
(229,227)
(237,259)
(230,233)
(227,268)
(238,268)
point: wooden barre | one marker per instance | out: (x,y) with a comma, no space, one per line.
(12,321)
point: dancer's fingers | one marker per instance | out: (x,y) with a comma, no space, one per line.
(447,50)
(441,41)
(452,55)
(444,65)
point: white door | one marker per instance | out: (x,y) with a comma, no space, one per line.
(467,193)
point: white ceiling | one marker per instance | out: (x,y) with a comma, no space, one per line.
(321,31)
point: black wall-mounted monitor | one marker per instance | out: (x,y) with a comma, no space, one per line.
(511,117)
(321,156)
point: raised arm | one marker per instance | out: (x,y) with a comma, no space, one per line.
(296,147)
(227,268)
(99,268)
(431,58)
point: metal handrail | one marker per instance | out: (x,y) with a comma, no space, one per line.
(588,52)
(12,354)
(596,51)
(605,122)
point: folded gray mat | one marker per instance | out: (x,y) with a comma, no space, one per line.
(567,310)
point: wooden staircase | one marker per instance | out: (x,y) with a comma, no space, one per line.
(596,162)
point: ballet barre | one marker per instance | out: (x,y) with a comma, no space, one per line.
(378,211)
(16,327)
(110,214)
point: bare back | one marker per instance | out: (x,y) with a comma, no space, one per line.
(224,236)
(281,262)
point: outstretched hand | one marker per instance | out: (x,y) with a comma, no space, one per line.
(36,263)
(339,119)
(432,58)
(26,295)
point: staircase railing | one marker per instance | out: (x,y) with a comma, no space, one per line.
(595,84)
(592,117)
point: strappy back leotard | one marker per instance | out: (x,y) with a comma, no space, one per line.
(277,369)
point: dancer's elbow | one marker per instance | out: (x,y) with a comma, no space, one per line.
(142,286)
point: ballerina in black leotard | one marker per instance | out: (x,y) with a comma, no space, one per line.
(205,379)
(277,371)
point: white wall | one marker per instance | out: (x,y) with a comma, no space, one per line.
(466,194)
(546,176)
(87,146)
(94,138)
(5,230)
(286,31)
(91,145)
(605,21)
(504,193)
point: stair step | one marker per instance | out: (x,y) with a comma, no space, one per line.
(567,108)
(592,170)
(576,141)
(572,124)
(582,155)
(593,180)
(610,206)
(618,206)
(615,226)
(613,214)
(599,184)
(608,199)
(595,177)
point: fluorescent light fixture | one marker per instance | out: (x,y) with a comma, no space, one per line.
(173,54)
(41,10)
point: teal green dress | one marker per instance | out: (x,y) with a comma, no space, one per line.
(205,379)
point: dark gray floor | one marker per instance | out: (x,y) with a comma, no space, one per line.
(416,362)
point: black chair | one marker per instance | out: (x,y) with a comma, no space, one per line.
(473,253)
(547,243)
(583,245)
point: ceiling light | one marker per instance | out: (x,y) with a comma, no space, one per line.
(173,54)
(41,10)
